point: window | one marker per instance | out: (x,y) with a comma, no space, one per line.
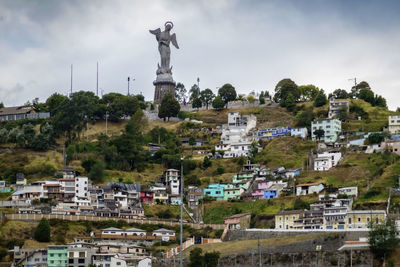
(82,254)
(349,220)
(71,261)
(119,263)
(359,219)
(51,255)
(81,260)
(367,219)
(376,220)
(71,255)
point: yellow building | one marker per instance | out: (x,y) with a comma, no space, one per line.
(361,218)
(161,194)
(287,219)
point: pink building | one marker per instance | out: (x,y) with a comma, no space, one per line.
(261,187)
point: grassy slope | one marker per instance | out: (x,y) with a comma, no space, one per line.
(237,247)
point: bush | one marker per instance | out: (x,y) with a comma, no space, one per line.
(220,170)
(164,214)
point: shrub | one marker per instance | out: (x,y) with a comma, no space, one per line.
(42,232)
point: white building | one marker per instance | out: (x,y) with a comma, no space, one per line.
(81,187)
(299,132)
(235,149)
(326,160)
(238,129)
(394,124)
(351,191)
(171,178)
(335,106)
(306,189)
(164,233)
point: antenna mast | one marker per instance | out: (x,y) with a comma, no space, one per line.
(97,80)
(72,70)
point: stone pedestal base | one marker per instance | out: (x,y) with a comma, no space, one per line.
(164,84)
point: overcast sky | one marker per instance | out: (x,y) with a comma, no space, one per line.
(250,44)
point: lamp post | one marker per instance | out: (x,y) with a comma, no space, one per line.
(181,236)
(106,120)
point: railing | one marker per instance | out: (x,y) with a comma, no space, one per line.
(38,217)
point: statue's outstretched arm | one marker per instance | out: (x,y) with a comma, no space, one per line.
(173,41)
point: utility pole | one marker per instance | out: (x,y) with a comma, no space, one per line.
(198,82)
(181,236)
(106,120)
(97,80)
(259,253)
(72,70)
(129,78)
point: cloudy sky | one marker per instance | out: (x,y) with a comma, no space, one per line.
(251,44)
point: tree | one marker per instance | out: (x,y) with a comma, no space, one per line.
(300,204)
(192,141)
(196,258)
(29,132)
(206,97)
(304,118)
(206,162)
(383,239)
(54,102)
(380,101)
(194,92)
(180,92)
(283,88)
(196,103)
(42,232)
(3,135)
(211,258)
(356,89)
(169,107)
(340,94)
(40,142)
(367,95)
(319,133)
(321,99)
(262,100)
(251,99)
(96,173)
(218,103)
(290,102)
(308,92)
(343,114)
(227,92)
(376,138)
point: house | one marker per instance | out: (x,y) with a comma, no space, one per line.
(20,179)
(185,141)
(20,113)
(30,257)
(335,106)
(287,219)
(238,129)
(153,148)
(79,256)
(57,256)
(271,133)
(274,191)
(232,191)
(194,194)
(260,189)
(175,199)
(351,191)
(164,233)
(331,128)
(235,149)
(327,160)
(392,146)
(215,191)
(146,194)
(299,132)
(238,221)
(335,217)
(313,218)
(171,179)
(2,184)
(291,173)
(361,218)
(305,189)
(160,194)
(394,124)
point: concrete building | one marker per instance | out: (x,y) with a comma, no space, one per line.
(238,221)
(326,160)
(392,146)
(194,194)
(30,257)
(305,189)
(335,106)
(394,124)
(271,133)
(235,149)
(171,179)
(351,191)
(331,128)
(164,233)
(361,218)
(215,191)
(57,256)
(20,113)
(79,256)
(287,219)
(238,129)
(299,132)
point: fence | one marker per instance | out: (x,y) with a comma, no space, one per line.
(38,217)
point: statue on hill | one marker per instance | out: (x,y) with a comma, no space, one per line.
(164,38)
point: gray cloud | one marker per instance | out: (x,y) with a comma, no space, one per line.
(251,44)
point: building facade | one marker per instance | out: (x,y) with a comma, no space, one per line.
(331,128)
(394,124)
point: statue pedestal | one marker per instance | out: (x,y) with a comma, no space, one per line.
(164,84)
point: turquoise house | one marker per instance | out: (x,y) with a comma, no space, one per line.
(215,190)
(240,177)
(57,256)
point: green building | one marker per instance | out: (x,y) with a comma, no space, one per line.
(57,256)
(331,128)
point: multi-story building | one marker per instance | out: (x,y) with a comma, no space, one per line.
(81,187)
(194,194)
(326,160)
(288,219)
(171,179)
(361,218)
(165,234)
(67,188)
(331,128)
(232,191)
(351,191)
(335,217)
(335,106)
(160,194)
(394,124)
(57,256)
(30,257)
(79,256)
(299,132)
(235,149)
(238,221)
(313,218)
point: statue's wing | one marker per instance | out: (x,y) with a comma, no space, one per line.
(156,32)
(173,40)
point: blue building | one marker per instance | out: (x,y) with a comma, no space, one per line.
(215,190)
(268,194)
(271,133)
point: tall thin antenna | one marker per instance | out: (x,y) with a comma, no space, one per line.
(72,70)
(97,80)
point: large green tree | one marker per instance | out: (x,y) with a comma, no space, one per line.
(194,92)
(383,239)
(180,92)
(218,103)
(340,94)
(321,99)
(42,232)
(169,107)
(283,88)
(206,97)
(227,92)
(308,92)
(196,103)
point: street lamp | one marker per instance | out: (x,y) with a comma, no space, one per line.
(181,236)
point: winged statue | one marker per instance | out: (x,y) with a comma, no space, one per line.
(164,38)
